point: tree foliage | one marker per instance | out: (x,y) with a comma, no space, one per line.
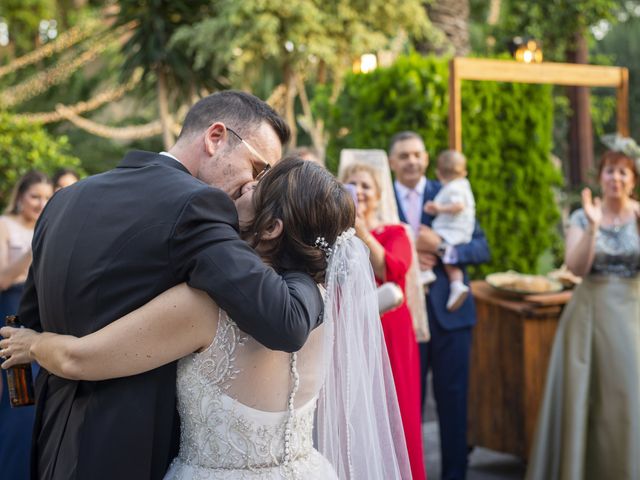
(296,34)
(149,47)
(305,41)
(451,17)
(621,45)
(25,146)
(506,137)
(554,23)
(23,19)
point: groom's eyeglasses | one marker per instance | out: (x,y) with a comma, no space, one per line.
(264,166)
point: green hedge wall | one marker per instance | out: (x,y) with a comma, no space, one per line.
(507,138)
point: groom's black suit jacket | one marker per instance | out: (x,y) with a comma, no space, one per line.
(108,245)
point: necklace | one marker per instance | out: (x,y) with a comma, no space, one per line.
(616,221)
(616,218)
(616,224)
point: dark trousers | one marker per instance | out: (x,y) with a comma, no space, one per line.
(447,355)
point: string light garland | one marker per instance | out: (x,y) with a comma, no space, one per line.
(42,81)
(109,95)
(119,133)
(133,132)
(63,42)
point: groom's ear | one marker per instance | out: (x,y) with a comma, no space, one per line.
(214,136)
(273,231)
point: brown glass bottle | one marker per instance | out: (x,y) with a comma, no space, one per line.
(19,377)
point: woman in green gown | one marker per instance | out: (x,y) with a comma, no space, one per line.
(589,421)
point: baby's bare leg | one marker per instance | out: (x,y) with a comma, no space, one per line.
(454,273)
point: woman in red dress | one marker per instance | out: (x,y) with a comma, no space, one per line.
(391,255)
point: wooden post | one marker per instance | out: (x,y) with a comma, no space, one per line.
(455,107)
(580,129)
(549,73)
(623,103)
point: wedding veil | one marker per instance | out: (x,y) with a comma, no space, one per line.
(388,215)
(359,428)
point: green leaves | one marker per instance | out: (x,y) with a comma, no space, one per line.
(409,95)
(296,35)
(25,147)
(555,23)
(23,18)
(150,45)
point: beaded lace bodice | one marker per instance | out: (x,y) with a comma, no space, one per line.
(218,431)
(617,249)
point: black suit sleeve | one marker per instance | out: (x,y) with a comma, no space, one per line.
(279,312)
(29,311)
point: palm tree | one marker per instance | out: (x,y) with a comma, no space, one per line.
(494,12)
(150,48)
(451,17)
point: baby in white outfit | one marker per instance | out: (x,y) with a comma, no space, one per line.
(455,210)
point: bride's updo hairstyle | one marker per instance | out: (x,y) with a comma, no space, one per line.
(311,203)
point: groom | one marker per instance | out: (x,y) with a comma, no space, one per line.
(110,243)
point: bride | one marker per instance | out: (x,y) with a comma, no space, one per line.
(246,411)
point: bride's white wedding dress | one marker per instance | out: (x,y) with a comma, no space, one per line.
(247,412)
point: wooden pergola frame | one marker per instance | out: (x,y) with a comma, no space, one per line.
(550,73)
